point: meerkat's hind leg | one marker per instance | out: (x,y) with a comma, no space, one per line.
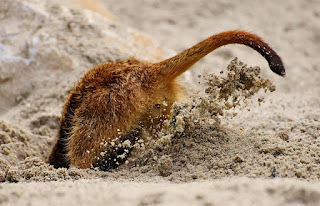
(88,147)
(83,144)
(58,155)
(96,125)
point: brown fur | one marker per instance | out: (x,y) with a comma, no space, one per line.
(116,100)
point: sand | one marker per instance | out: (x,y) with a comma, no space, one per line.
(266,150)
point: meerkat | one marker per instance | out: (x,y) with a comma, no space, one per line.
(115,101)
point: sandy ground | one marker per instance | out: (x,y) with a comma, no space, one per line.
(268,154)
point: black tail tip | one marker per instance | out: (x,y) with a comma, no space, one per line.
(277,66)
(278,69)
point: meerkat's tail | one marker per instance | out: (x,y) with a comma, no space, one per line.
(175,66)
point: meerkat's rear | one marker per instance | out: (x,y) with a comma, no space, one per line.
(115,101)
